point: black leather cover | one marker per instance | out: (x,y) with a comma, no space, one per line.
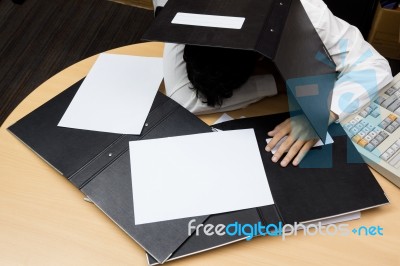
(327,183)
(98,163)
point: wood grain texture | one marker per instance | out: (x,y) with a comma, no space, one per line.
(40,38)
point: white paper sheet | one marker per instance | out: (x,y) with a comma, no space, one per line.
(329,140)
(223,118)
(208,20)
(337,219)
(116,95)
(197,175)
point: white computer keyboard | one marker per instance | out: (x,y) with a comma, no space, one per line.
(375,130)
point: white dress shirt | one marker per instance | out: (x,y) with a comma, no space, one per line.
(362,70)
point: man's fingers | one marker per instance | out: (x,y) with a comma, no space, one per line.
(293,151)
(274,141)
(279,132)
(283,148)
(306,147)
(278,128)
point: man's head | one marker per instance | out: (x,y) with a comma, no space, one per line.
(216,72)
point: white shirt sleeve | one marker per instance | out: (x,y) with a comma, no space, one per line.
(178,86)
(362,70)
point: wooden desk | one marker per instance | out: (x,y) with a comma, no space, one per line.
(45,221)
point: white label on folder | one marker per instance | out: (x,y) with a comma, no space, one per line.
(208,20)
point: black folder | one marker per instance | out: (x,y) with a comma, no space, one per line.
(98,164)
(278,29)
(326,184)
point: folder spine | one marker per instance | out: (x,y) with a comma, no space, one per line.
(269,37)
(89,171)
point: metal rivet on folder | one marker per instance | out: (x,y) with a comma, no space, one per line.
(146,125)
(281,3)
(110,154)
(272,30)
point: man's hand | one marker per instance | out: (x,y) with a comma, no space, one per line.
(301,137)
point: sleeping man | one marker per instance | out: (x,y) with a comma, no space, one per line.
(209,79)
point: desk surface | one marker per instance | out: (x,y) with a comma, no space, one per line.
(45,221)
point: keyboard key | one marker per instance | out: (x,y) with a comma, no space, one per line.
(356,138)
(360,126)
(366,130)
(384,134)
(373,106)
(375,142)
(397,85)
(389,101)
(364,123)
(395,160)
(379,100)
(390,151)
(372,134)
(383,124)
(395,147)
(390,129)
(354,130)
(347,126)
(375,113)
(357,118)
(385,156)
(369,147)
(362,134)
(388,120)
(368,109)
(353,122)
(368,138)
(390,91)
(377,130)
(394,106)
(379,138)
(392,117)
(362,143)
(370,127)
(364,113)
(395,124)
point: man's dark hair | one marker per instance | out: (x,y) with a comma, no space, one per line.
(215,72)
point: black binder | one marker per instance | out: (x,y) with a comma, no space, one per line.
(98,164)
(278,29)
(312,191)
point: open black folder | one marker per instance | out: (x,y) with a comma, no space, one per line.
(280,30)
(98,164)
(327,183)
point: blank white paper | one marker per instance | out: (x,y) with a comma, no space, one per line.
(116,95)
(195,175)
(227,22)
(337,219)
(223,118)
(328,140)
